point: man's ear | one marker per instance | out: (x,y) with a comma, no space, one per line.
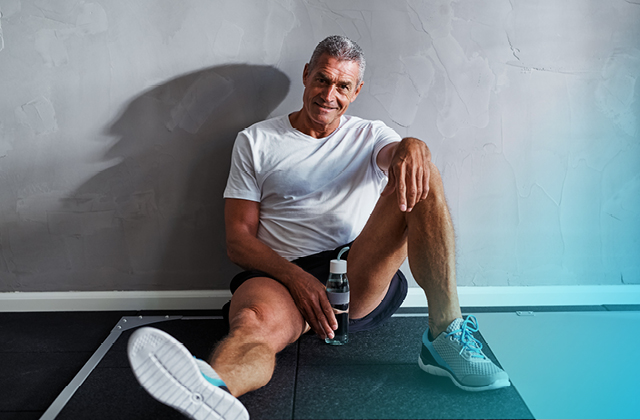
(357,92)
(305,74)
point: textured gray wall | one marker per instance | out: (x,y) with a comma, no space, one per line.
(117,120)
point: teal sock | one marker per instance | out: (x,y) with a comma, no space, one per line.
(210,375)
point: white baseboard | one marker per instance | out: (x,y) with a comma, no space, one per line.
(113,300)
(492,296)
(214,299)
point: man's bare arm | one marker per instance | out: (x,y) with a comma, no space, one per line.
(242,218)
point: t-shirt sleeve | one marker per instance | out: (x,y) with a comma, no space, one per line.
(384,136)
(242,183)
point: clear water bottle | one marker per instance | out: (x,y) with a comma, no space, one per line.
(338,294)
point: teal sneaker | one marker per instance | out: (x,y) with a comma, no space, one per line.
(167,371)
(456,353)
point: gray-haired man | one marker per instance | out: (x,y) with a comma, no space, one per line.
(301,187)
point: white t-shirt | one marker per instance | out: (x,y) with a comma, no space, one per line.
(314,194)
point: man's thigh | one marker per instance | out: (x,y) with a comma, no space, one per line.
(376,255)
(263,308)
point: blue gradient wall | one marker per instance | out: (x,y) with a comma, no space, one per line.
(117,119)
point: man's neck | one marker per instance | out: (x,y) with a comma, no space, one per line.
(302,123)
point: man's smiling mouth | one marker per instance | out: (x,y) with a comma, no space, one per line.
(328,108)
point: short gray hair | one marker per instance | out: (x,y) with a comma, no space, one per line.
(342,48)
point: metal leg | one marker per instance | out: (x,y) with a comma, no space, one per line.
(125,323)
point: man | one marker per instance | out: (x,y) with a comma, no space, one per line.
(300,188)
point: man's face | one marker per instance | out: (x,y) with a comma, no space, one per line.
(329,89)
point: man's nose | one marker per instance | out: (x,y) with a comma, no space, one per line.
(329,93)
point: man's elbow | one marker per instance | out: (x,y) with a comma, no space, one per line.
(233,252)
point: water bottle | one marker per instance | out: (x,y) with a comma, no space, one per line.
(338,294)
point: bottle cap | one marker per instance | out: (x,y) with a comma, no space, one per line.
(338,266)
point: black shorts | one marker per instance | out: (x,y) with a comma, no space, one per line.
(318,266)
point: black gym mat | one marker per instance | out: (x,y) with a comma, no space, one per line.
(376,375)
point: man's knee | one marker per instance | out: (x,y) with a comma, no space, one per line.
(436,187)
(255,318)
(263,323)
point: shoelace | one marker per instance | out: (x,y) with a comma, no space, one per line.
(465,336)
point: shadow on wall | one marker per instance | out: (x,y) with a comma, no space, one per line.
(162,204)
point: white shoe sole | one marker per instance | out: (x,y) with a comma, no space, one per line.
(166,369)
(438,371)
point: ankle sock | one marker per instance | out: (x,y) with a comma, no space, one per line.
(210,375)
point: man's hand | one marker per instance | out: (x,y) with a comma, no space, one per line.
(409,172)
(311,299)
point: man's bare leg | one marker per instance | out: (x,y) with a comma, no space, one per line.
(431,250)
(426,236)
(263,320)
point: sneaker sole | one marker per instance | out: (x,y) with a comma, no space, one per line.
(166,369)
(438,371)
